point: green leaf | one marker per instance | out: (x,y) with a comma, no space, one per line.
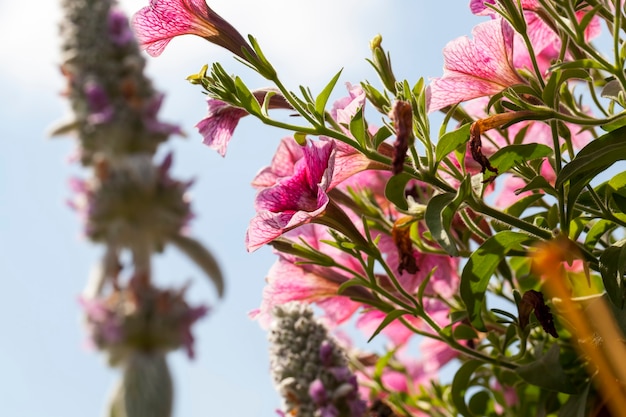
(512,155)
(395,190)
(248,101)
(451,141)
(580,63)
(438,218)
(612,89)
(538,183)
(547,372)
(481,265)
(478,403)
(461,383)
(558,78)
(522,204)
(612,268)
(576,405)
(464,332)
(593,159)
(391,316)
(617,189)
(439,214)
(322,98)
(381,134)
(358,128)
(595,233)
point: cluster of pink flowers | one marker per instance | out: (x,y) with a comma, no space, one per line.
(340,242)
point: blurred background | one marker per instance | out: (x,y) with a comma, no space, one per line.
(46,365)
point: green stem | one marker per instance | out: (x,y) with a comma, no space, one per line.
(481,207)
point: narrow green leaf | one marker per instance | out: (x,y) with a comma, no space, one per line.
(580,63)
(538,183)
(481,265)
(512,155)
(391,316)
(547,372)
(478,403)
(395,190)
(322,98)
(248,101)
(381,134)
(451,141)
(461,383)
(358,128)
(464,332)
(595,233)
(576,405)
(522,204)
(438,218)
(612,268)
(593,159)
(612,89)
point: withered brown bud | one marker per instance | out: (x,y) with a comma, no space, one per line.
(533,300)
(402,117)
(476,147)
(402,239)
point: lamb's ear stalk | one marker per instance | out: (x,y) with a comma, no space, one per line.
(146,388)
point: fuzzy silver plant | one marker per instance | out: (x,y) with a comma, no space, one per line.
(309,369)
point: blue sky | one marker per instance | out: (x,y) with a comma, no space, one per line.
(46,367)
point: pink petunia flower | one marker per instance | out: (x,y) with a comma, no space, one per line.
(155,25)
(294,200)
(476,67)
(287,155)
(218,127)
(290,279)
(546,43)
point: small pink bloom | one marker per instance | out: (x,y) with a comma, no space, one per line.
(345,108)
(287,282)
(218,127)
(347,162)
(294,200)
(476,67)
(283,163)
(155,25)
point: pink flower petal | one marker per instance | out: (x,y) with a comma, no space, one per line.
(475,67)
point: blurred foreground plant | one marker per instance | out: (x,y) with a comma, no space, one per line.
(129,204)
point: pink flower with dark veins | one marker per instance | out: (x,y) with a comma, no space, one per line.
(296,199)
(155,25)
(291,279)
(546,43)
(218,127)
(476,67)
(282,165)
